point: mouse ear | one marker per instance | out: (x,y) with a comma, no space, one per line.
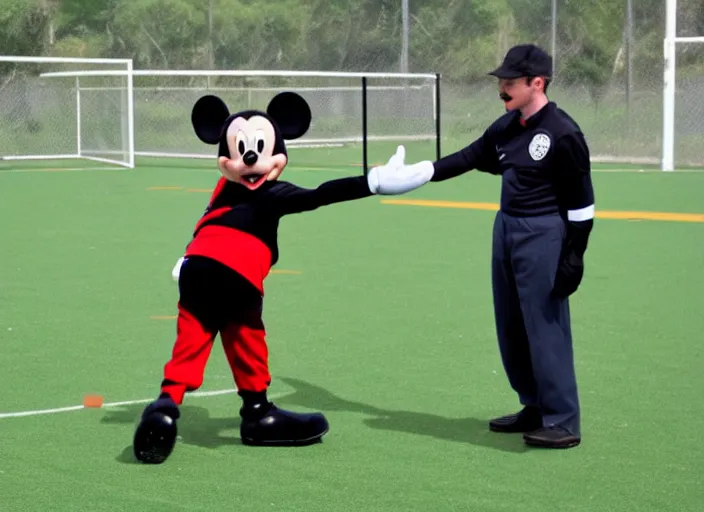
(208,116)
(291,113)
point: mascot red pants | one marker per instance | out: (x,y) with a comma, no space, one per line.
(215,300)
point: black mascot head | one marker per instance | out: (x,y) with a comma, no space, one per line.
(252,148)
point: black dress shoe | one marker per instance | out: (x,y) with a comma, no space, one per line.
(527,420)
(271,426)
(155,436)
(551,437)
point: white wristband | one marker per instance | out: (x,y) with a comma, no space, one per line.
(582,214)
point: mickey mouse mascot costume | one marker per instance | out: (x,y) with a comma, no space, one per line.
(234,246)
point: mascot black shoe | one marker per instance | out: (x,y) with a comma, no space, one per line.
(155,436)
(264,424)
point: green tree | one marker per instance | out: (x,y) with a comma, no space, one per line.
(157,33)
(25,26)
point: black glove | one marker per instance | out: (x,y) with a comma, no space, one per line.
(570,270)
(569,274)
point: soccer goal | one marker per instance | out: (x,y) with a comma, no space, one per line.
(373,111)
(683,97)
(67,111)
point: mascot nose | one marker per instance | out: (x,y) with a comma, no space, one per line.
(250,157)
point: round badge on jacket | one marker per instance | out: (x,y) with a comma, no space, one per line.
(539,146)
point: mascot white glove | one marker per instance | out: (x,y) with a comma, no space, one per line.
(397,178)
(176,271)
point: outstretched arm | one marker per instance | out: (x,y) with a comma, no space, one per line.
(398,178)
(288,198)
(480,155)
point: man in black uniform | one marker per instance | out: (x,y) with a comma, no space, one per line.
(540,237)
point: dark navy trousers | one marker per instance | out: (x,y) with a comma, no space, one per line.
(533,328)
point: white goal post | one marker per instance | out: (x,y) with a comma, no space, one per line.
(62,118)
(670,44)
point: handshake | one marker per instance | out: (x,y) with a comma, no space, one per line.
(396,178)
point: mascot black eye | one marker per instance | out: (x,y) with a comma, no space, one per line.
(260,141)
(241,145)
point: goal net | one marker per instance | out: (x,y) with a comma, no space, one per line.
(66,111)
(366,114)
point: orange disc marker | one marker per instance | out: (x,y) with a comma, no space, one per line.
(93,401)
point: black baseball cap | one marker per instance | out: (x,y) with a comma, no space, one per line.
(524,60)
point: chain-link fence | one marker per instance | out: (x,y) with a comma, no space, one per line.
(608,54)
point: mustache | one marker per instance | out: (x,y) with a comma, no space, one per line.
(505,96)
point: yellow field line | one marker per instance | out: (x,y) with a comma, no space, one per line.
(605,214)
(664,216)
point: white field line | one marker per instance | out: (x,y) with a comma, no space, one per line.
(119,404)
